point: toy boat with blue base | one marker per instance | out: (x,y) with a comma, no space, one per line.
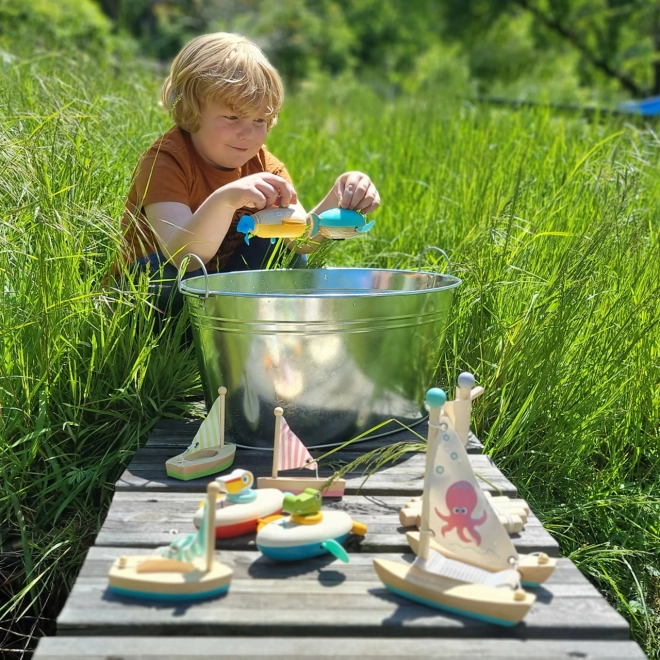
(273,223)
(339,224)
(239,508)
(487,589)
(183,571)
(308,531)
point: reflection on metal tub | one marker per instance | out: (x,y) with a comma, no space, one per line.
(339,349)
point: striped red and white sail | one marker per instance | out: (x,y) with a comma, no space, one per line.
(293,453)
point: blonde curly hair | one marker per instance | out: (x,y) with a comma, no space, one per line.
(224,68)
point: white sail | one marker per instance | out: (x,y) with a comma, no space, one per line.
(460,516)
(208,434)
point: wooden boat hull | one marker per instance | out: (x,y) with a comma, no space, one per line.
(201,463)
(494,605)
(533,569)
(195,584)
(297,485)
(284,540)
(237,519)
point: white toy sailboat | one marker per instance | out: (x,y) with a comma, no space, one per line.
(289,453)
(207,453)
(472,589)
(184,570)
(461,519)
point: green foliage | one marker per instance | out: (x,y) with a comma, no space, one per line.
(62,24)
(83,373)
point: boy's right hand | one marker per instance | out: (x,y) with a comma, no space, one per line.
(257,191)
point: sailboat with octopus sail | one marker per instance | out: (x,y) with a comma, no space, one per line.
(486,588)
(462,520)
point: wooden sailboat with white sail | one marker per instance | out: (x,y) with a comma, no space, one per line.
(207,453)
(461,518)
(289,453)
(447,583)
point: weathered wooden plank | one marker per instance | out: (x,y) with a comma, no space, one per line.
(330,599)
(147,472)
(153,519)
(328,648)
(176,434)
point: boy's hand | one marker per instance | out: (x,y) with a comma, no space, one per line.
(356,191)
(257,191)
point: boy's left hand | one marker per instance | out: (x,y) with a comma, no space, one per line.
(356,191)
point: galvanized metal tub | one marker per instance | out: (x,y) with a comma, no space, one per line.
(339,349)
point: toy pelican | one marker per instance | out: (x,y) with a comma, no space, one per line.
(239,507)
(307,531)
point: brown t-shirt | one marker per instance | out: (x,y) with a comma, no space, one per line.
(171,170)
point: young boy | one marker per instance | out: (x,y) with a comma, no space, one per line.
(196,181)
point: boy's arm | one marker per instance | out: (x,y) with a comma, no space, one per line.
(179,230)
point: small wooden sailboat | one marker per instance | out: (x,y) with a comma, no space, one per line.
(239,508)
(307,531)
(207,453)
(185,570)
(460,514)
(450,584)
(289,453)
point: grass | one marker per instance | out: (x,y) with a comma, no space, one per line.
(551,222)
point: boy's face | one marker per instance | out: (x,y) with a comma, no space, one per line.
(226,140)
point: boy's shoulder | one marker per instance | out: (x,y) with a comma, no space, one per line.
(171,141)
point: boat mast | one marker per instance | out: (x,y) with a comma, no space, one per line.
(212,491)
(222,391)
(466,392)
(435,398)
(276,440)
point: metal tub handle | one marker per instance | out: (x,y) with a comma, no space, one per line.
(182,269)
(442,252)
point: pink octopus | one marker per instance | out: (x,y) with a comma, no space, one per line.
(461,501)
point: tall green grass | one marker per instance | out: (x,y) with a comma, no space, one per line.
(550,221)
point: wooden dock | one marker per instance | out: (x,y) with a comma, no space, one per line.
(319,608)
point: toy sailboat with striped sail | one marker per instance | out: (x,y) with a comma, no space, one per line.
(289,453)
(184,570)
(487,589)
(207,453)
(461,518)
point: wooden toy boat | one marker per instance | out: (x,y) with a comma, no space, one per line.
(447,583)
(339,224)
(185,570)
(273,223)
(207,453)
(289,453)
(308,531)
(461,519)
(239,508)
